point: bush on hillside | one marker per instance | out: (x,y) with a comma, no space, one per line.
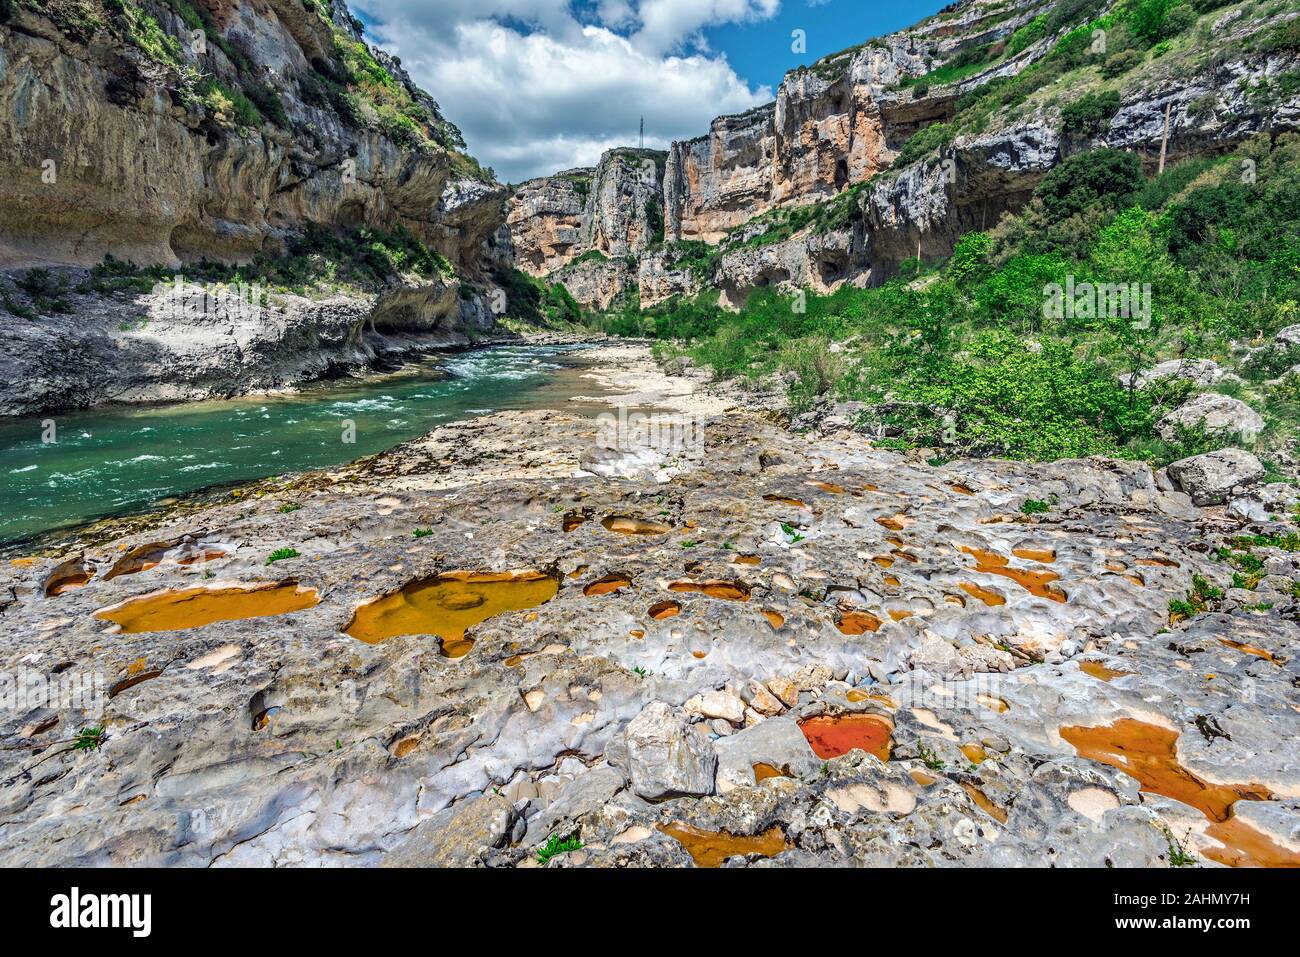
(1098,177)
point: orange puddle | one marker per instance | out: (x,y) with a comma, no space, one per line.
(832,736)
(774,618)
(884,561)
(921,778)
(448,604)
(961,489)
(1035,554)
(714,588)
(607,585)
(1250,650)
(895,523)
(982,801)
(711,848)
(992,703)
(974,753)
(176,610)
(858,622)
(1034,582)
(829,487)
(1099,671)
(664,609)
(1161,562)
(573,520)
(906,556)
(784,500)
(857,695)
(764,771)
(748,559)
(892,581)
(899,615)
(990,598)
(624,525)
(1148,753)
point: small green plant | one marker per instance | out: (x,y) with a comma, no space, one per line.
(791,533)
(640,672)
(280,554)
(423,532)
(1197,601)
(1033,506)
(555,846)
(1178,853)
(689,544)
(929,758)
(288,507)
(89,739)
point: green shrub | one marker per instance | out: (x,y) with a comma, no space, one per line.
(969,262)
(924,142)
(1120,63)
(1089,113)
(1104,176)
(1146,18)
(1027,35)
(1068,13)
(1001,399)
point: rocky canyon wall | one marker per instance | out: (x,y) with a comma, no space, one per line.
(136,131)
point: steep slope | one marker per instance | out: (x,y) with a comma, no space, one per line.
(181,133)
(892,150)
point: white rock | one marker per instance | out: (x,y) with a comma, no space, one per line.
(1215,414)
(1209,478)
(666,756)
(717,704)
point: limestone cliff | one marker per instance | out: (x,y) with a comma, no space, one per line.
(614,209)
(172,132)
(131,132)
(894,149)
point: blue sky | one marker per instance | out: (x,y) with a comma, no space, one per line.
(543,85)
(760,52)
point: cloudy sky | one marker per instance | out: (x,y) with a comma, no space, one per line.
(542,85)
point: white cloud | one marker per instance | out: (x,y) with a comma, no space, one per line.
(535,89)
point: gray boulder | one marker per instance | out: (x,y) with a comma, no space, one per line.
(777,742)
(583,795)
(1209,478)
(1204,372)
(1213,413)
(458,836)
(1247,508)
(1290,336)
(667,757)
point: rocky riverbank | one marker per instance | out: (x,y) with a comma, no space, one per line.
(769,648)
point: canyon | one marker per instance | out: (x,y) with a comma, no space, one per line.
(671,620)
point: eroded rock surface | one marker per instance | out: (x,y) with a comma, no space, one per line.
(772,580)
